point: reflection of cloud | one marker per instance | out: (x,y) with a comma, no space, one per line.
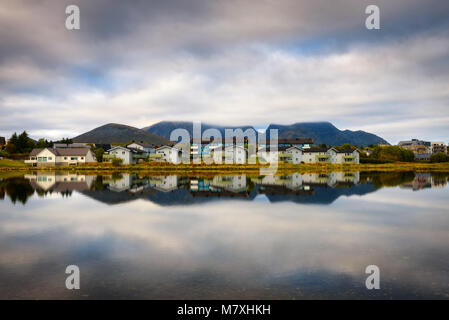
(238,239)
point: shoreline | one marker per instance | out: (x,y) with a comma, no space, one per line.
(214,169)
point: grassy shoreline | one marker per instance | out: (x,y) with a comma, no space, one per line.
(8,165)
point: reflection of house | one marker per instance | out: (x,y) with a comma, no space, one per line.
(60,156)
(290,181)
(164,184)
(122,183)
(60,182)
(235,183)
(421,181)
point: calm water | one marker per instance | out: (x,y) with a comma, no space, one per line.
(299,236)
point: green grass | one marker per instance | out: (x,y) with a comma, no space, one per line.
(5,163)
(283,168)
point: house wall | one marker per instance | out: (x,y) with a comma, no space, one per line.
(50,158)
(123,154)
(296,155)
(311,157)
(170,154)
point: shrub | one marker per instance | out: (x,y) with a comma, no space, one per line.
(439,157)
(117,161)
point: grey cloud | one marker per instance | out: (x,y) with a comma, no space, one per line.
(230,62)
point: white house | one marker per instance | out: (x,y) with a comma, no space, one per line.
(145,147)
(315,155)
(231,154)
(344,156)
(170,154)
(60,156)
(290,154)
(122,153)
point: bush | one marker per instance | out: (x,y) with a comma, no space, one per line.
(439,157)
(393,153)
(117,161)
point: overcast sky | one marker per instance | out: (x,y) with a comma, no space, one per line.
(225,62)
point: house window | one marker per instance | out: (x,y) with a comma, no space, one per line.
(65,158)
(49,158)
(82,158)
(74,158)
(42,159)
(123,152)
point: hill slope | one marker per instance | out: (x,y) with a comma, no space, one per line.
(321,132)
(119,133)
(164,128)
(326,132)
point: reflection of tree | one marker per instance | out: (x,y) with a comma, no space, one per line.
(18,189)
(98,185)
(390,179)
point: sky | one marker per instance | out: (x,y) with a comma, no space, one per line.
(225,62)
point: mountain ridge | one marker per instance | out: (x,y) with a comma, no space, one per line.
(119,133)
(321,132)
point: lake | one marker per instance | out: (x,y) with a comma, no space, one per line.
(297,236)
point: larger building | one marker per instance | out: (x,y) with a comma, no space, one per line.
(60,156)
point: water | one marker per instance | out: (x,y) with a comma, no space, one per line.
(298,236)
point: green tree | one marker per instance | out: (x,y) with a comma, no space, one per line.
(99,154)
(439,157)
(117,161)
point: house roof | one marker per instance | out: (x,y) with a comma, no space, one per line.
(166,147)
(346,150)
(142,144)
(118,147)
(62,151)
(315,150)
(280,148)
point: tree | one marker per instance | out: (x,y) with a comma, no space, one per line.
(65,140)
(439,157)
(117,161)
(393,153)
(44,143)
(99,154)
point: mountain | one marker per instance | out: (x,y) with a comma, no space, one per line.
(164,128)
(321,132)
(326,132)
(119,133)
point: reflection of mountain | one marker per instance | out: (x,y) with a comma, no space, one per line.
(308,188)
(315,193)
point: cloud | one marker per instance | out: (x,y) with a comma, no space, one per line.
(232,62)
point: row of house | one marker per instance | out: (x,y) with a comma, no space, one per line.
(423,149)
(291,151)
